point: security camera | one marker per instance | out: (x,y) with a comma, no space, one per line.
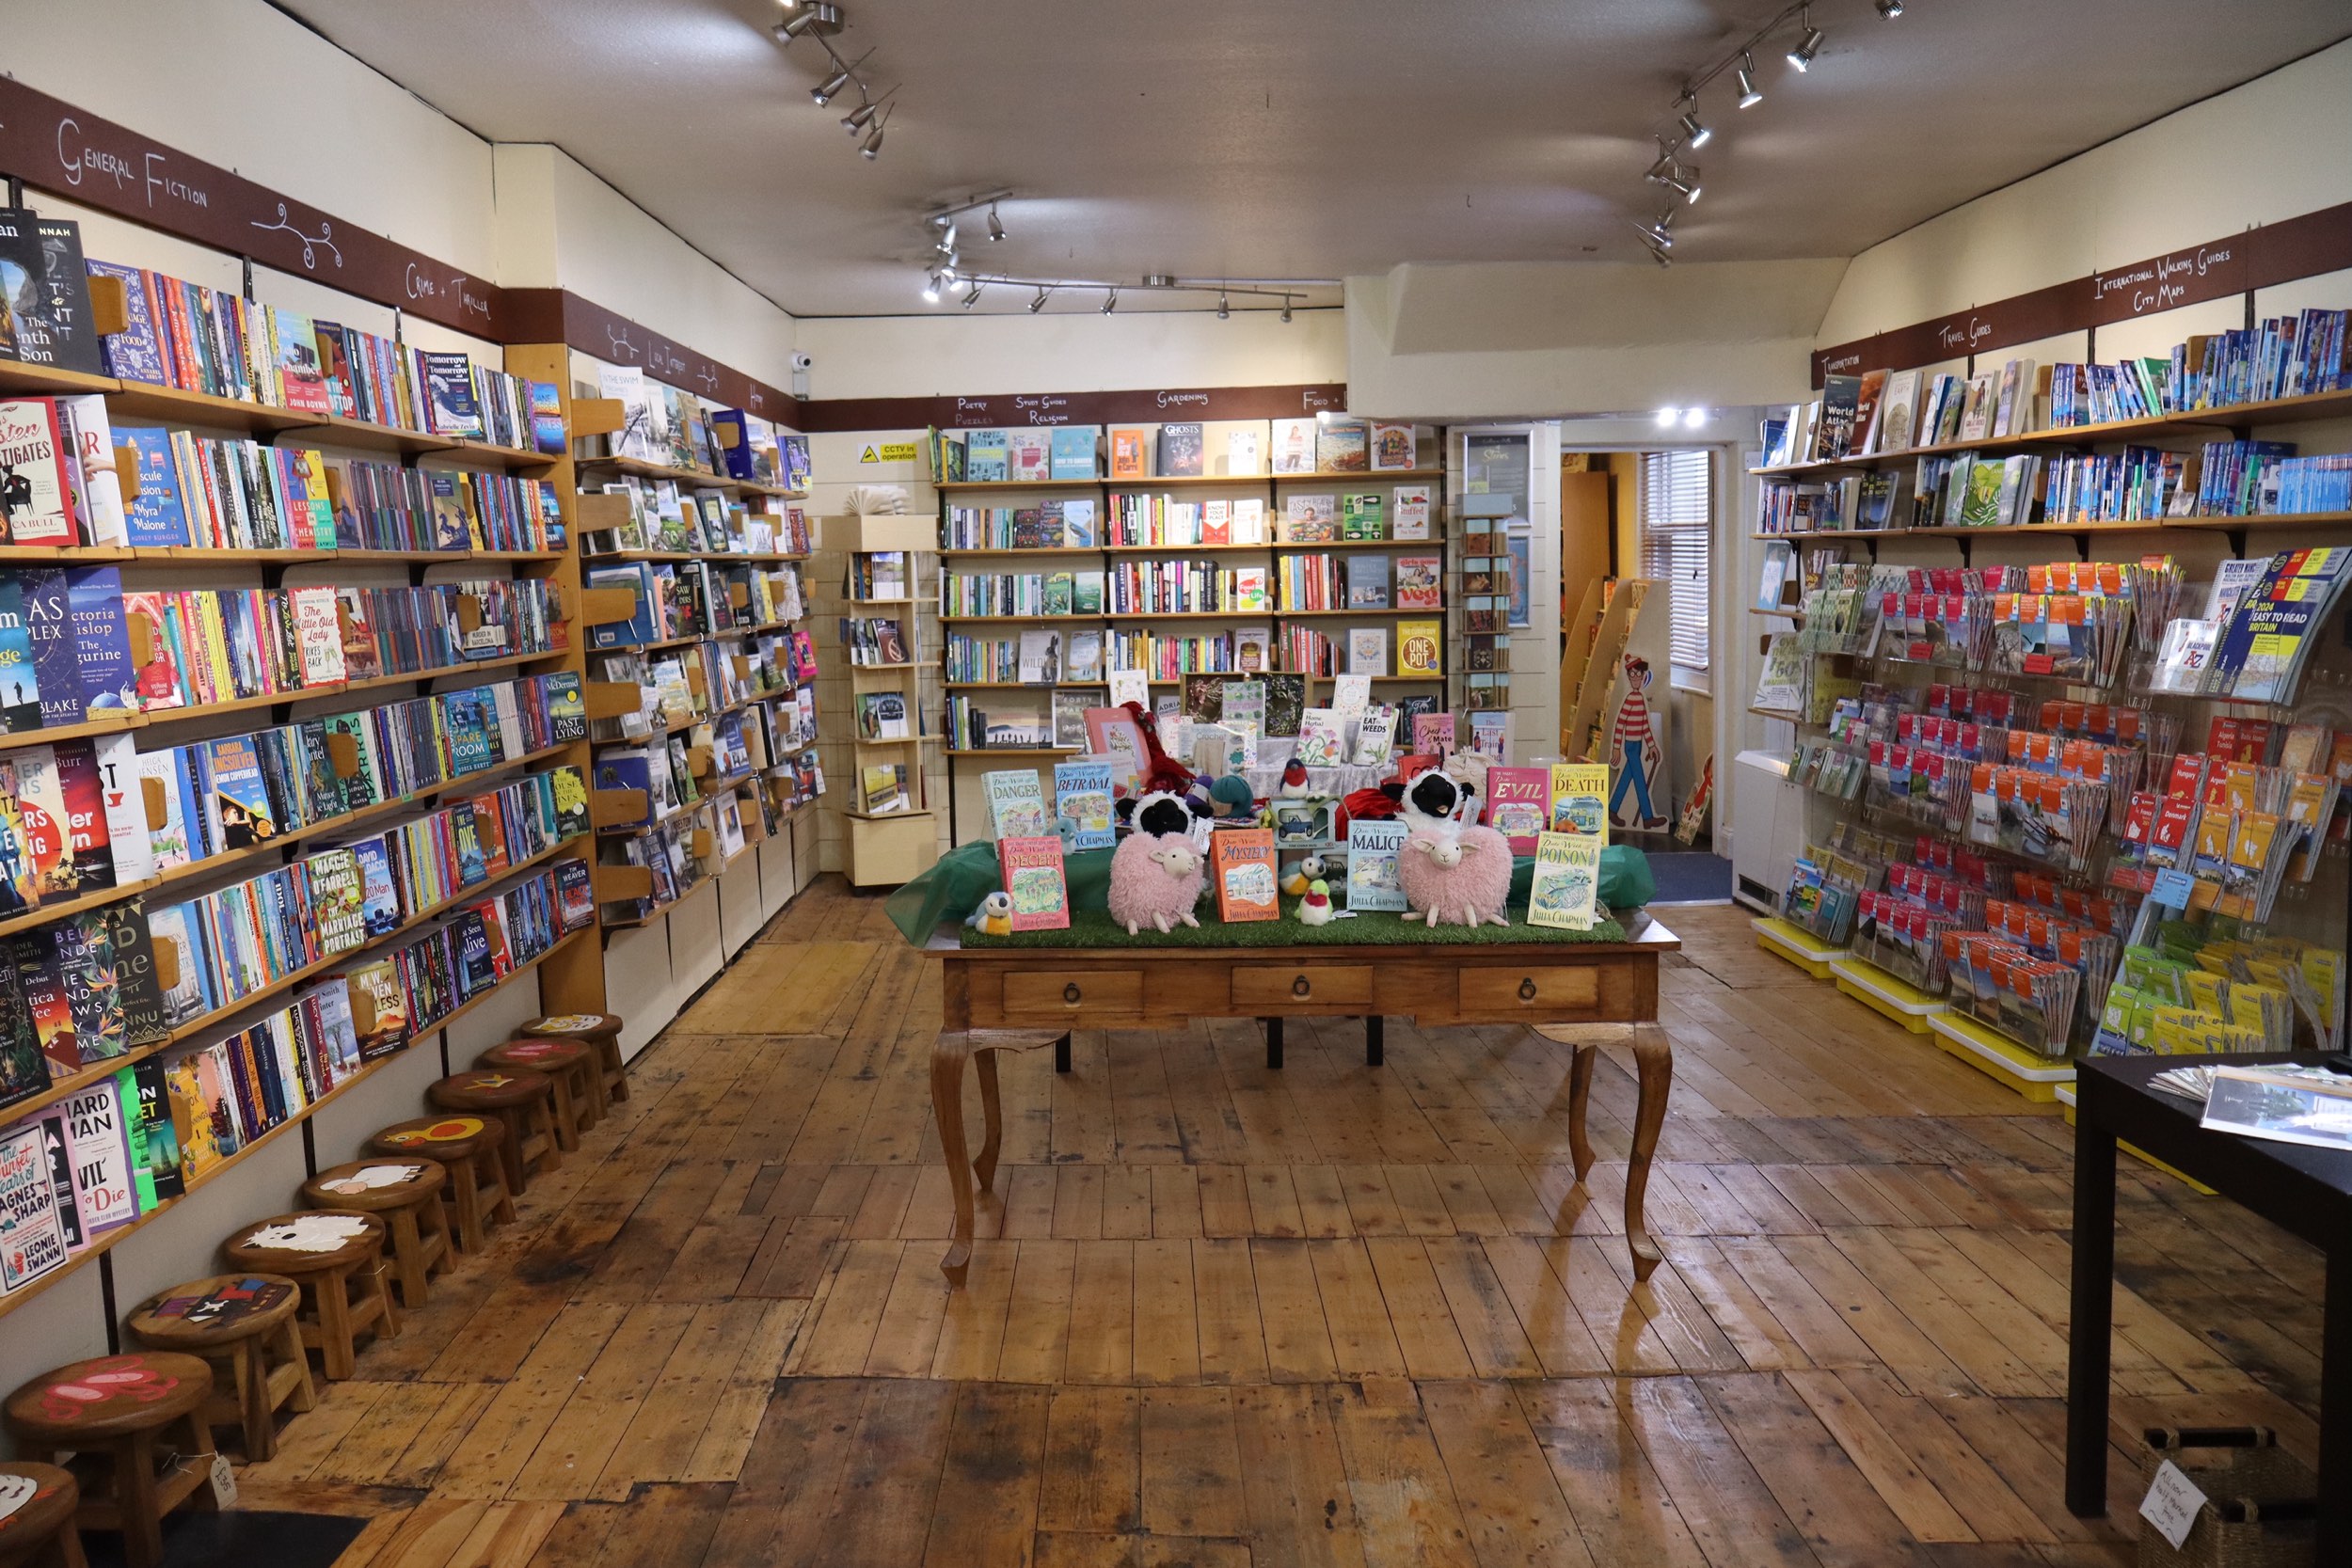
(804,361)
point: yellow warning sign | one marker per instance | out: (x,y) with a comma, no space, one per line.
(895,451)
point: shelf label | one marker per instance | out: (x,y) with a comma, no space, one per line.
(2173,889)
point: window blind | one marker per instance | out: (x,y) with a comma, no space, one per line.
(1677,514)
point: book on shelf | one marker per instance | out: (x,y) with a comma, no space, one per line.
(882,788)
(1129,451)
(1183,451)
(1245,449)
(1293,450)
(1420,647)
(1368,580)
(1071,452)
(1029,452)
(1342,446)
(1368,650)
(1393,448)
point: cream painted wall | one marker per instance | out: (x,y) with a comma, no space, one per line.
(951,352)
(561,225)
(365,149)
(1490,341)
(2270,149)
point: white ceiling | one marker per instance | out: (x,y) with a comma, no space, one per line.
(1314,138)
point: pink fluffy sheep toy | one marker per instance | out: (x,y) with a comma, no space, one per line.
(1450,871)
(1158,872)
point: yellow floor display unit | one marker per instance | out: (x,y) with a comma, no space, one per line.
(1796,944)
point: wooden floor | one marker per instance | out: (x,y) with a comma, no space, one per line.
(1328,1316)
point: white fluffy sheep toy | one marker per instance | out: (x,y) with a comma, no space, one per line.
(1158,872)
(1449,870)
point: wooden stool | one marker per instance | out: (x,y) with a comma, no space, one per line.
(344,1291)
(132,1412)
(571,1066)
(1654,1061)
(524,1103)
(601,1031)
(467,1149)
(949,1054)
(41,1533)
(245,1323)
(410,1210)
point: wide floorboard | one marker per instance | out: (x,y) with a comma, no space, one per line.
(1223,1316)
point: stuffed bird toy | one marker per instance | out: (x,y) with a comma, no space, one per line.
(1293,780)
(1316,909)
(1307,870)
(993,917)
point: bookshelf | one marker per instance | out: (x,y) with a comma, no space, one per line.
(892,834)
(2241,768)
(700,686)
(1154,614)
(322,721)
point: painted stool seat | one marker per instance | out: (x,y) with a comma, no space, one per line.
(344,1294)
(410,1207)
(126,1412)
(467,1149)
(571,1066)
(244,1325)
(525,1101)
(601,1030)
(40,1533)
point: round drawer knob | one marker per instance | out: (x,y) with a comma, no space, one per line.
(1301,985)
(1070,994)
(1527,989)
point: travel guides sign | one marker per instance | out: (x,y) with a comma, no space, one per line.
(54,147)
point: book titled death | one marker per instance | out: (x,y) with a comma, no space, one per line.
(1035,883)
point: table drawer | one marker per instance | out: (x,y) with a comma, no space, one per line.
(1045,995)
(1535,989)
(1275,988)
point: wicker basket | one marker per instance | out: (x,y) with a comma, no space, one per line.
(2261,1508)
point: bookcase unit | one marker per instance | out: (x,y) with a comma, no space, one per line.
(883,558)
(264,1009)
(1304,585)
(2125,518)
(731,698)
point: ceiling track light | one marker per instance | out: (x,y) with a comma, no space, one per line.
(1694,135)
(1223,309)
(860,117)
(1286,310)
(1660,234)
(995,225)
(1749,97)
(870,149)
(818,18)
(1110,301)
(1809,46)
(1890,10)
(946,242)
(1038,302)
(972,294)
(930,287)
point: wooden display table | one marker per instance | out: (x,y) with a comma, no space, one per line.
(1025,998)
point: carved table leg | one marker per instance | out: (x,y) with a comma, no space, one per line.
(993,1112)
(947,1053)
(1654,1059)
(1580,1096)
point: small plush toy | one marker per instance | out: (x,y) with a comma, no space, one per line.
(1294,780)
(1155,880)
(1309,869)
(1230,797)
(1316,909)
(993,917)
(1463,875)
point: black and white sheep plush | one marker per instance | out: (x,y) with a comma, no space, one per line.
(1162,812)
(1434,801)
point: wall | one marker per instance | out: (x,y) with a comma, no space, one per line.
(949,351)
(1498,341)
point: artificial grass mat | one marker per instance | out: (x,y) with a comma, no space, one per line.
(1095,929)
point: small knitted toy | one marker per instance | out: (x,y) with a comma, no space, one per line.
(994,915)
(1316,909)
(1155,880)
(1309,869)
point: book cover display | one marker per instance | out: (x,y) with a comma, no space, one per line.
(1243,867)
(1035,883)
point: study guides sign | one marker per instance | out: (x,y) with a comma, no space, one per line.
(55,146)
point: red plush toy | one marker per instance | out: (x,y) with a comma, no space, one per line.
(1161,770)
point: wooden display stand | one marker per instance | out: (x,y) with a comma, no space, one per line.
(885,849)
(1596,640)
